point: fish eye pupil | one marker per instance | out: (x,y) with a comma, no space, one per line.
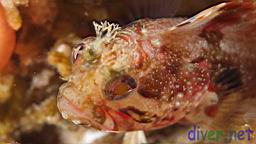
(77,50)
(120,87)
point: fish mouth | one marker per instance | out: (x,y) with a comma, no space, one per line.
(114,121)
(75,114)
(70,102)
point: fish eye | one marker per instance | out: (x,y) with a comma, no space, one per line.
(76,52)
(120,87)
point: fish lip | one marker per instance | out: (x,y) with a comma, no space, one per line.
(78,116)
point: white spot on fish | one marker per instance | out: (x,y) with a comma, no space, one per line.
(76,122)
(64,115)
(144,31)
(213,98)
(177,104)
(156,42)
(180,95)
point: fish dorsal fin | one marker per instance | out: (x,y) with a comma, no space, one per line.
(201,18)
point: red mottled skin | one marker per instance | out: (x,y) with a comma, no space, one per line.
(155,73)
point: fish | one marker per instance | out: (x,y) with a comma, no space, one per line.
(154,73)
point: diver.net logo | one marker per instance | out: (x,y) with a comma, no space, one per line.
(196,134)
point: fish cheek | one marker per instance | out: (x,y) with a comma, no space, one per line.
(147,90)
(150,86)
(157,83)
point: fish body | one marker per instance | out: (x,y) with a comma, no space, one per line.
(155,73)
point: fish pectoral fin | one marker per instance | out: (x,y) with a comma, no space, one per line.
(227,81)
(235,113)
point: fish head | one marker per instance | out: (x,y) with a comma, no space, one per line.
(127,79)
